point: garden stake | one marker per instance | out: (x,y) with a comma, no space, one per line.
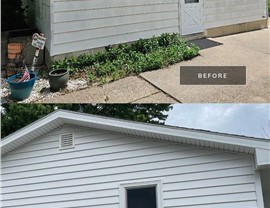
(36,56)
(26,74)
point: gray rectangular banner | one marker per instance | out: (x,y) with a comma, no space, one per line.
(213,75)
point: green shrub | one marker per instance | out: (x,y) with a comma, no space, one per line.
(12,15)
(119,61)
(269,7)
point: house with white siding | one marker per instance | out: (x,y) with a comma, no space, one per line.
(76,26)
(69,159)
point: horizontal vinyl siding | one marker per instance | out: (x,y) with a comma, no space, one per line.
(42,18)
(82,24)
(228,12)
(40,175)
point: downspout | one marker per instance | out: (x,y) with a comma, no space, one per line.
(51,52)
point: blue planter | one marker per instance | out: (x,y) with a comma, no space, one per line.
(22,90)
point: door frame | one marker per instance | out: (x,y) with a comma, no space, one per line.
(181,10)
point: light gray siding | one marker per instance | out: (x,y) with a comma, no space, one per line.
(40,175)
(82,24)
(43,20)
(40,17)
(228,12)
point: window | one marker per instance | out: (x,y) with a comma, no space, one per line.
(141,195)
(191,1)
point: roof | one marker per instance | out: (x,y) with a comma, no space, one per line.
(242,144)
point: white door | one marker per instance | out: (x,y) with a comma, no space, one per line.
(191,16)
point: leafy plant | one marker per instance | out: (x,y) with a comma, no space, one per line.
(12,15)
(119,61)
(269,8)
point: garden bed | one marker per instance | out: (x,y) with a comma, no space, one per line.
(119,61)
(113,63)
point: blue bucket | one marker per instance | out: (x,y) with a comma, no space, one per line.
(22,90)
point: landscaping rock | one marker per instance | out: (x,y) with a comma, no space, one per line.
(41,90)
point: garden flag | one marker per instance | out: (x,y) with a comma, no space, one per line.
(26,75)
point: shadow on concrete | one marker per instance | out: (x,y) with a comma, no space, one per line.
(205,43)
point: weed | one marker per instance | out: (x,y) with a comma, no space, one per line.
(119,61)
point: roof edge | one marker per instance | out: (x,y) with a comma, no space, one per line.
(64,117)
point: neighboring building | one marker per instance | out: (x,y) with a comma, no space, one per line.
(75,26)
(70,159)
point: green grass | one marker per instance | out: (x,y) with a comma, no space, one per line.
(123,60)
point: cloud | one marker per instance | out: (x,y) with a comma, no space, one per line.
(242,119)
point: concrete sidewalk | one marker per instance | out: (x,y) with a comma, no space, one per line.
(247,49)
(163,86)
(128,90)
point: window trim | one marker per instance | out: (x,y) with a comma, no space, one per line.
(140,184)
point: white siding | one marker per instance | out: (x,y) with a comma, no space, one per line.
(82,24)
(228,12)
(39,175)
(79,25)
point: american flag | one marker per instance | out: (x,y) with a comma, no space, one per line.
(26,75)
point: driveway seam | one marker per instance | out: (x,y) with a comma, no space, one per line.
(146,96)
(160,90)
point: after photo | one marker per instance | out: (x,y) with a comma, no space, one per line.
(135,156)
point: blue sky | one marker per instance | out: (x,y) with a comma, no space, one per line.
(242,119)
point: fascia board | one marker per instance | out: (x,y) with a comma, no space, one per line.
(167,131)
(67,117)
(262,157)
(28,129)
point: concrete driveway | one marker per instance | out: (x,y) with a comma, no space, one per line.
(249,49)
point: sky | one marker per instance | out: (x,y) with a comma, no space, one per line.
(240,119)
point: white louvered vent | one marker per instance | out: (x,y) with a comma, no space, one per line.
(66,141)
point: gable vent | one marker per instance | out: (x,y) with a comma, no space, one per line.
(66,141)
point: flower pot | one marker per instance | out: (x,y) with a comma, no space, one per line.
(14,50)
(21,90)
(58,79)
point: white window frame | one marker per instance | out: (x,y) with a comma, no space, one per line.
(140,184)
